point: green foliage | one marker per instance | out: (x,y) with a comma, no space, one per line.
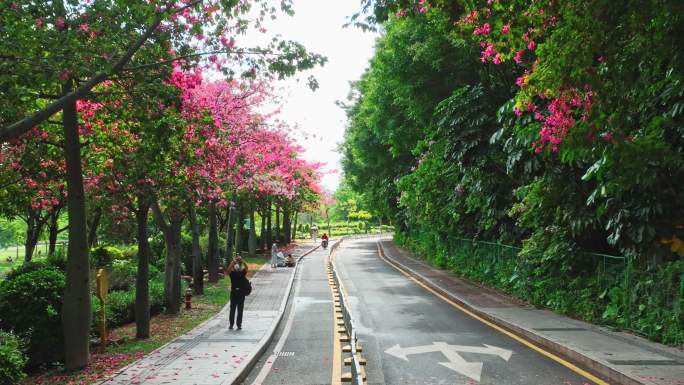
(12,359)
(647,302)
(122,274)
(30,305)
(12,232)
(58,259)
(103,256)
(120,307)
(582,153)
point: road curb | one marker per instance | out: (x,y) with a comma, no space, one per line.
(601,370)
(252,359)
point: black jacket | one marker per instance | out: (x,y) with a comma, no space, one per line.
(238,281)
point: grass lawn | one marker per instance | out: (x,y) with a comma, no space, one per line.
(5,266)
(124,348)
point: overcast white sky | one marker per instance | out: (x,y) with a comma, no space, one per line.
(318,25)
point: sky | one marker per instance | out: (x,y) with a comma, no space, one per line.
(318,25)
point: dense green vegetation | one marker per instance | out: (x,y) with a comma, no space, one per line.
(554,127)
(12,360)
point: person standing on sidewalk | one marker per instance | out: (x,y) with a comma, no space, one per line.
(237,271)
(274,254)
(314,233)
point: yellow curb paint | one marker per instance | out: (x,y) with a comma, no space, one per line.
(337,346)
(516,337)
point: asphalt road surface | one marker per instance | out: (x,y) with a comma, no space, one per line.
(410,336)
(303,343)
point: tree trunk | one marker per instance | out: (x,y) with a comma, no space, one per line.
(212,255)
(262,214)
(197,265)
(173,295)
(287,229)
(230,234)
(142,286)
(53,232)
(171,231)
(252,242)
(76,311)
(33,228)
(277,223)
(294,227)
(239,224)
(269,228)
(94,224)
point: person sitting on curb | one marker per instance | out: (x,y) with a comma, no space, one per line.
(290,261)
(274,254)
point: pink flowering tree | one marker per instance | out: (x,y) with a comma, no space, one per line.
(32,171)
(92,42)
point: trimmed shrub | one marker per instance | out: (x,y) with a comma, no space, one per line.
(58,259)
(121,305)
(29,306)
(26,267)
(102,256)
(130,252)
(12,359)
(123,273)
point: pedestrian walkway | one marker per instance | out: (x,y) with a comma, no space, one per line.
(620,358)
(211,354)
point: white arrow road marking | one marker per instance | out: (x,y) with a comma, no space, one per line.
(456,363)
(489,349)
(403,353)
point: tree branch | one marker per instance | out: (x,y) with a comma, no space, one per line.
(240,52)
(24,125)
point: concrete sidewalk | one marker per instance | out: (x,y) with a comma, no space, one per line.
(211,354)
(619,358)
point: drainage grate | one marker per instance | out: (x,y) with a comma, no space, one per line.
(285,354)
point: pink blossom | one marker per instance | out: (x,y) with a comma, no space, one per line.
(40,22)
(84,27)
(485,29)
(497,59)
(64,75)
(488,52)
(60,24)
(518,56)
(506,29)
(521,81)
(531,45)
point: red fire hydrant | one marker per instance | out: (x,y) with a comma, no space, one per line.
(188,298)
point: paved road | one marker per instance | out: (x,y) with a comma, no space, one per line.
(437,344)
(301,350)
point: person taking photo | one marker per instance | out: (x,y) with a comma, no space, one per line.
(237,271)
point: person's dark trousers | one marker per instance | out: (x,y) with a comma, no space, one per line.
(237,300)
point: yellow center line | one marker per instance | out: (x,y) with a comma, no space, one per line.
(516,337)
(337,347)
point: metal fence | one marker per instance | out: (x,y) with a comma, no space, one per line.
(491,253)
(610,270)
